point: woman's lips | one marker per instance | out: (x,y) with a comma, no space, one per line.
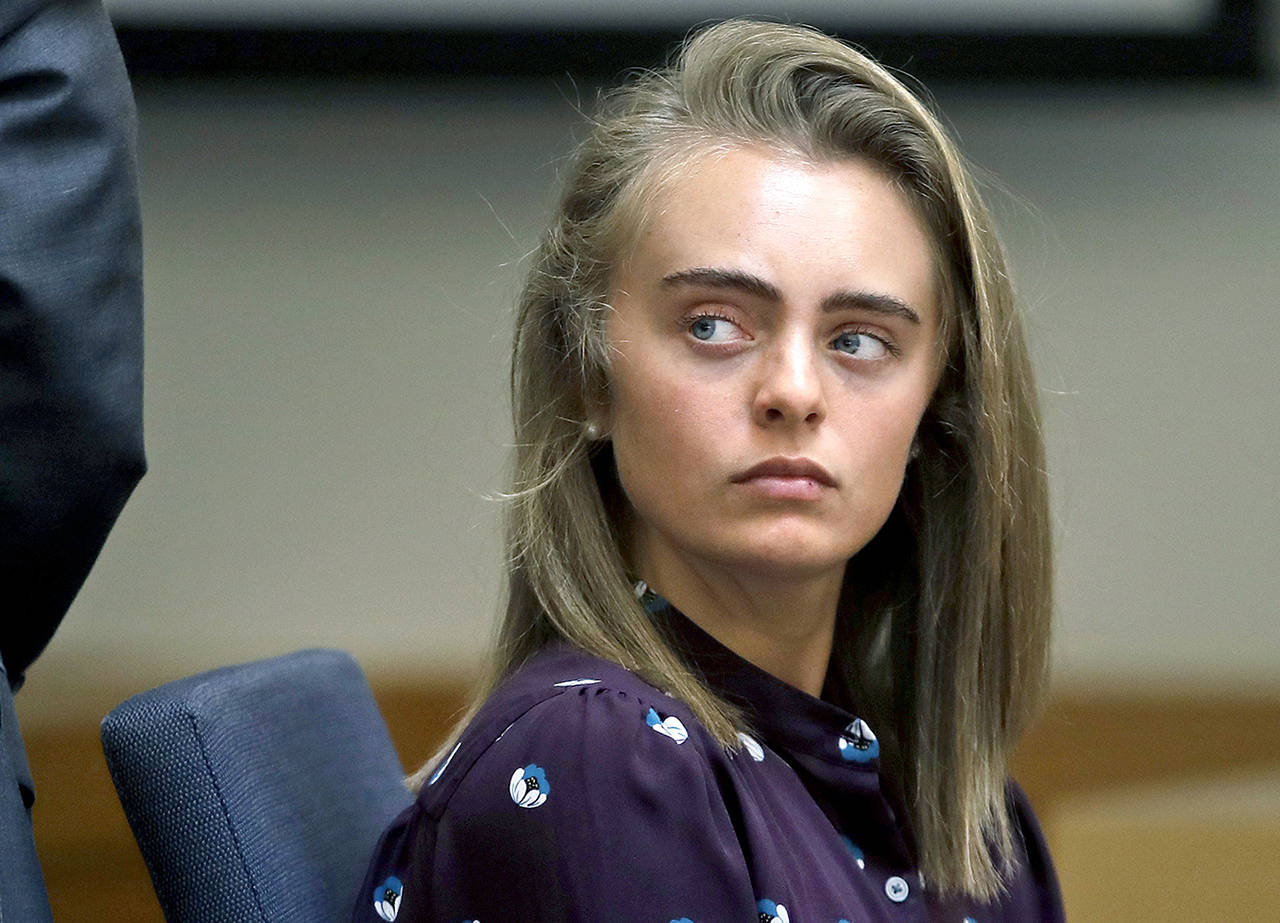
(783,478)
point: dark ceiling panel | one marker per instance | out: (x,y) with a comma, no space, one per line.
(1231,47)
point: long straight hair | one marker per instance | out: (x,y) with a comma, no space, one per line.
(943,629)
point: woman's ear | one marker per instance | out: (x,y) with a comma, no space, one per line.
(598,422)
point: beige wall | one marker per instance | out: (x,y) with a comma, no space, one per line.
(330,274)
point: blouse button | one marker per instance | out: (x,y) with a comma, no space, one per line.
(896,889)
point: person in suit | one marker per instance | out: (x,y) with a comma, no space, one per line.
(71,447)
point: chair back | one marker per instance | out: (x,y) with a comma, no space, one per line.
(257,792)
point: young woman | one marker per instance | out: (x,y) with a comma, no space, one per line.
(778,538)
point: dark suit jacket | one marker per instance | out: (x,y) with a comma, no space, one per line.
(70,352)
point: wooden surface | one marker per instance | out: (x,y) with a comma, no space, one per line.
(1204,850)
(1086,743)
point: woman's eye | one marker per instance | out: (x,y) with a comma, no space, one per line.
(711,329)
(861,345)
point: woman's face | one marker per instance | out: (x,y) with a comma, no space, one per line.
(774,345)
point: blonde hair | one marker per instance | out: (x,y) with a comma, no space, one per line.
(942,635)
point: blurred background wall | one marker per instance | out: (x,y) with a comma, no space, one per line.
(331,268)
(330,278)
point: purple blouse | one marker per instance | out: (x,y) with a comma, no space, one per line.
(582,793)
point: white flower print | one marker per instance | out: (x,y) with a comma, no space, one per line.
(752,746)
(387,898)
(858,744)
(671,726)
(529,787)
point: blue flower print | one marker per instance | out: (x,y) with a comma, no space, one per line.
(671,727)
(529,787)
(854,851)
(857,743)
(772,913)
(387,897)
(682,920)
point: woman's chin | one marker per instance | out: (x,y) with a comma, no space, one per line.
(787,562)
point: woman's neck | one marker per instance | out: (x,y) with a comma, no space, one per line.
(783,624)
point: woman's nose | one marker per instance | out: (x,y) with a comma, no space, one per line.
(790,387)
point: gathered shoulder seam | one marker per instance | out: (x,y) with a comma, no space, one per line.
(498,717)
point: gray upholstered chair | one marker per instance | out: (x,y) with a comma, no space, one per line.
(257,792)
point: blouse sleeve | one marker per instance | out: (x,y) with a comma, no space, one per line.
(594,805)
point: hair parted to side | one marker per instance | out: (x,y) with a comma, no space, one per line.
(942,636)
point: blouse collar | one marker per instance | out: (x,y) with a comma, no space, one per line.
(789,719)
(833,751)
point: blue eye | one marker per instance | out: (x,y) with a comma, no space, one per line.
(861,345)
(711,329)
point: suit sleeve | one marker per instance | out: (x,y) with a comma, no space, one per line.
(70,309)
(581,811)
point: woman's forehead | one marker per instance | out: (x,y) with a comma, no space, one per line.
(788,221)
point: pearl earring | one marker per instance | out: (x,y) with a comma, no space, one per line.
(591,429)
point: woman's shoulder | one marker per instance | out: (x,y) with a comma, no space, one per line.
(566,705)
(572,762)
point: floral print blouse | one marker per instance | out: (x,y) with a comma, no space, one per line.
(581,793)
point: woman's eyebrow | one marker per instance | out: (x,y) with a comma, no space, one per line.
(747,283)
(723,278)
(875,302)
